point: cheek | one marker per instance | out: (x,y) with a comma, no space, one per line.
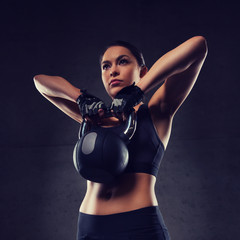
(133,74)
(104,80)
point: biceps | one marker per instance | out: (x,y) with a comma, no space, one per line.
(170,96)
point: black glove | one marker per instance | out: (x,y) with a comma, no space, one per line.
(89,104)
(126,99)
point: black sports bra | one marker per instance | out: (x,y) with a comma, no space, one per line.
(146,150)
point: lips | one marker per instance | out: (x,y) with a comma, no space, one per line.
(115,82)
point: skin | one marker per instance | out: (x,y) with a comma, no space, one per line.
(179,68)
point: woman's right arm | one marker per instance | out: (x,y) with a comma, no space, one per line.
(59,92)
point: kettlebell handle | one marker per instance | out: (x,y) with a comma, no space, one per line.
(130,127)
(126,135)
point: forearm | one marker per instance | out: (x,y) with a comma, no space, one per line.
(54,86)
(175,61)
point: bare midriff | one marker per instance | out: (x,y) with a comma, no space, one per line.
(130,192)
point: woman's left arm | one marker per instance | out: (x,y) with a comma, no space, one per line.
(179,68)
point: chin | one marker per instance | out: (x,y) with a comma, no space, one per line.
(113,92)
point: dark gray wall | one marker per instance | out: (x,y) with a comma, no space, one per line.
(198,182)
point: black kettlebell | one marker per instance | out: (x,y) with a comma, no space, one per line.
(100,154)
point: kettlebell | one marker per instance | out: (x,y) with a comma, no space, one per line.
(100,154)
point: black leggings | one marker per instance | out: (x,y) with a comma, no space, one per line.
(144,223)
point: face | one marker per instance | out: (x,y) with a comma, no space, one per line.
(119,69)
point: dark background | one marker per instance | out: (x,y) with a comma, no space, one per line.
(198,182)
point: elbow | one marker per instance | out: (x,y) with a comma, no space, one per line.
(201,45)
(37,78)
(37,81)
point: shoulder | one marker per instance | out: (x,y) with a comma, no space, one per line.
(159,109)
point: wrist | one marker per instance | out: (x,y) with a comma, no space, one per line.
(77,95)
(139,90)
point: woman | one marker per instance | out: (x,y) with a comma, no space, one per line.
(128,209)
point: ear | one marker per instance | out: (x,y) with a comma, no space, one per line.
(143,71)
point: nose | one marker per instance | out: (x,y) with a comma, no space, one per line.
(114,72)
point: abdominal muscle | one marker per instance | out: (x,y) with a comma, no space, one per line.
(130,192)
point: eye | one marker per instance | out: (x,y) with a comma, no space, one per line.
(105,66)
(123,61)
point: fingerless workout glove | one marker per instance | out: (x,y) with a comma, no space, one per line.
(89,104)
(126,99)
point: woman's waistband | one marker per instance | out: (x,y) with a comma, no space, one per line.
(140,211)
(117,222)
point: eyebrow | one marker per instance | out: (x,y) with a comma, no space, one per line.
(118,58)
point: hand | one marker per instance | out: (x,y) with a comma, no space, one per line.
(91,107)
(126,99)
